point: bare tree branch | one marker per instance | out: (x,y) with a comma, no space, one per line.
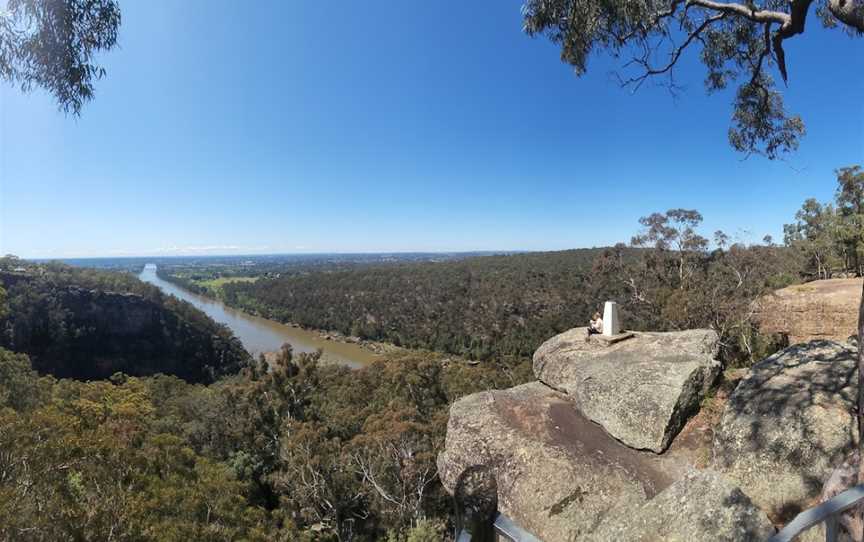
(674,56)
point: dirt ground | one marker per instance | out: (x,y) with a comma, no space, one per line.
(842,292)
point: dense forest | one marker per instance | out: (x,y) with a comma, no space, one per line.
(84,323)
(300,452)
(503,307)
(480,307)
(205,275)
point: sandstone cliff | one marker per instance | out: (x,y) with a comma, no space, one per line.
(822,309)
(85,333)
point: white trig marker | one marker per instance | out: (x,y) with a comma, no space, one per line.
(611,321)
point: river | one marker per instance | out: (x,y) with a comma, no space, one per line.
(260,335)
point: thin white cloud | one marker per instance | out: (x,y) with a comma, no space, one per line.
(200,249)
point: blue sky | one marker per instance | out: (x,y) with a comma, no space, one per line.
(392,126)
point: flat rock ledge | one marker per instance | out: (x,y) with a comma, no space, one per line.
(702,506)
(788,424)
(641,390)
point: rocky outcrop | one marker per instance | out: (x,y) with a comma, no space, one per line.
(702,506)
(527,451)
(534,452)
(124,315)
(788,424)
(822,309)
(84,333)
(641,390)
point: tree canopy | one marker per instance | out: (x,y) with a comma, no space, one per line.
(741,43)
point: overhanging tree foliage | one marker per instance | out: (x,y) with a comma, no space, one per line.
(52,44)
(739,42)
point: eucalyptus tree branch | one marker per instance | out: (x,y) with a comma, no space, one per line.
(654,21)
(739,40)
(757,68)
(674,56)
(790,24)
(849,12)
(742,10)
(793,27)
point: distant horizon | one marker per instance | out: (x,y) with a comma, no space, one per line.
(316,253)
(743,237)
(364,139)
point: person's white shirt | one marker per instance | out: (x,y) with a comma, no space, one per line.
(597,325)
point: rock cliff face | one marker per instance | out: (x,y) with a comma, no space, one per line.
(641,390)
(122,315)
(823,309)
(84,333)
(788,424)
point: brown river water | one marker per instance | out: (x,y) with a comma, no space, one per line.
(261,335)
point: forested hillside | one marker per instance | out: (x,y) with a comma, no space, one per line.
(82,323)
(481,307)
(506,306)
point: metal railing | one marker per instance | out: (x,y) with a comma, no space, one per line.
(828,512)
(505,529)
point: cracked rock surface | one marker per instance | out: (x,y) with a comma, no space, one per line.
(641,390)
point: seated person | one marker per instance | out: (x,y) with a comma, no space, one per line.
(595,327)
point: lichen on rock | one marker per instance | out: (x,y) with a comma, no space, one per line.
(702,506)
(641,390)
(515,449)
(788,424)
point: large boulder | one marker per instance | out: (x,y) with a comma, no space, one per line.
(702,506)
(788,424)
(529,452)
(641,390)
